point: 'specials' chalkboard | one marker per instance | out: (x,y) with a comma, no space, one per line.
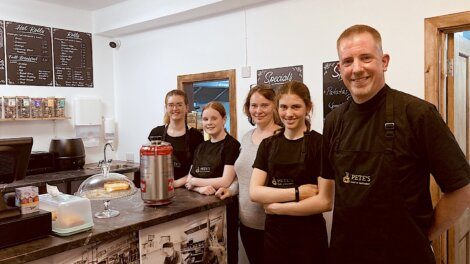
(29,54)
(73,64)
(2,56)
(334,91)
(278,76)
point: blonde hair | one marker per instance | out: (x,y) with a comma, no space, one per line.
(359,29)
(166,118)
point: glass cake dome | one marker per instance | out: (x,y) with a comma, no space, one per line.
(106,186)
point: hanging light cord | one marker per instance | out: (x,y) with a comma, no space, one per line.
(246,41)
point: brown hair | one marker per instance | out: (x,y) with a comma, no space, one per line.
(267,92)
(216,106)
(301,90)
(359,29)
(166,118)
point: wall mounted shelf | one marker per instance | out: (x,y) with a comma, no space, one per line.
(33,119)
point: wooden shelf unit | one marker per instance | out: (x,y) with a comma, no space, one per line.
(33,119)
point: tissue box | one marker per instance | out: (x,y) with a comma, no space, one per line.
(27,199)
(70,214)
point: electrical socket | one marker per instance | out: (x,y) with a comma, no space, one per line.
(246,72)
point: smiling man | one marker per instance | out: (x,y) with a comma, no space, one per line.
(380,149)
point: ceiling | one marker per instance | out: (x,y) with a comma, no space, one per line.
(89,5)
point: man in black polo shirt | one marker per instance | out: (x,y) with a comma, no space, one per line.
(380,149)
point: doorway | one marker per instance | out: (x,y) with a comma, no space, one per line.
(447,70)
(202,88)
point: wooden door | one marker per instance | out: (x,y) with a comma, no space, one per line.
(458,119)
(446,84)
(185,83)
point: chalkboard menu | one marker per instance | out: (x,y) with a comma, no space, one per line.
(278,76)
(334,91)
(29,54)
(2,56)
(73,65)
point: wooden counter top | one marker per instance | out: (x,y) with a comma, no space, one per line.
(134,215)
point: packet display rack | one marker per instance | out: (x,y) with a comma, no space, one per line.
(35,108)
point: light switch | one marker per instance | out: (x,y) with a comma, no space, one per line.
(246,72)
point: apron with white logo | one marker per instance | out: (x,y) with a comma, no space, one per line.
(371,223)
(205,164)
(293,239)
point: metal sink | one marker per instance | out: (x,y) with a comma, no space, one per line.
(112,167)
(119,166)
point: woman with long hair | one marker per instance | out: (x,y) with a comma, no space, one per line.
(286,165)
(184,140)
(261,111)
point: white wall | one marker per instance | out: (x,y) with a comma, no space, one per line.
(33,12)
(132,80)
(280,33)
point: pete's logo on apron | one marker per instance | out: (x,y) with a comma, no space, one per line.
(203,169)
(356,179)
(283,183)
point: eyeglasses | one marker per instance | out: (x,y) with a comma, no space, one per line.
(177,105)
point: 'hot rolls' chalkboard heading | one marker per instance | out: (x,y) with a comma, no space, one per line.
(29,54)
(28,59)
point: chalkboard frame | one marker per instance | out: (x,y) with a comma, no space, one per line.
(276,77)
(35,56)
(335,92)
(66,55)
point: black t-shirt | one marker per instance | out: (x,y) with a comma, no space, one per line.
(290,152)
(230,150)
(423,145)
(180,145)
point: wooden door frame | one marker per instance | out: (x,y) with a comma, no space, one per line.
(435,30)
(213,76)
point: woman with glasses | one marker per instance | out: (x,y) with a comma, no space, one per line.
(184,140)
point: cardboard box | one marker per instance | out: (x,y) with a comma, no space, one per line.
(27,199)
(192,119)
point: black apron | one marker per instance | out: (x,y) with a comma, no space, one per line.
(209,166)
(371,223)
(206,165)
(293,239)
(181,157)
